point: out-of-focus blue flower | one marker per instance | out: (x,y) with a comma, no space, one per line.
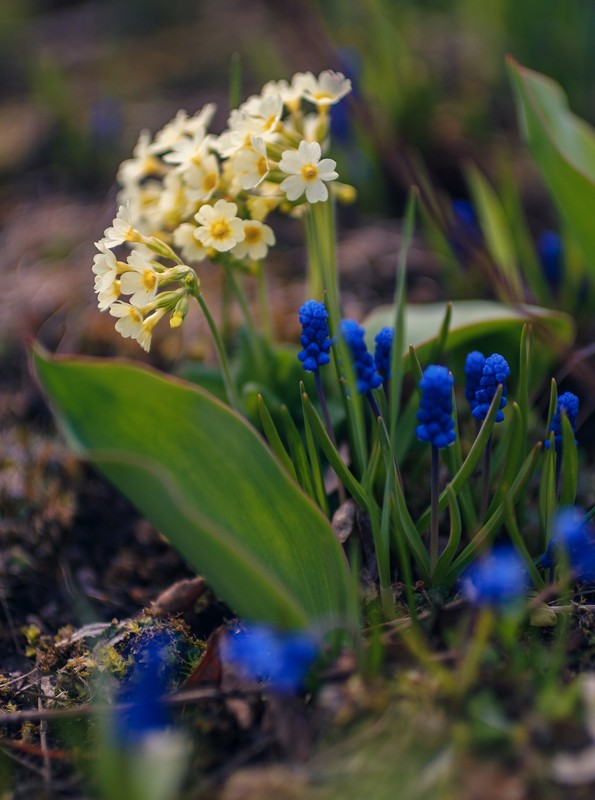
(573,541)
(363,363)
(496,579)
(466,224)
(281,659)
(383,352)
(435,408)
(143,689)
(550,250)
(474,364)
(315,338)
(495,372)
(567,404)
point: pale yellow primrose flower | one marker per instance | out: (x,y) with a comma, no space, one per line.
(219,227)
(202,179)
(142,164)
(122,230)
(130,320)
(257,240)
(105,267)
(189,151)
(307,172)
(182,125)
(141,281)
(250,164)
(186,241)
(326,90)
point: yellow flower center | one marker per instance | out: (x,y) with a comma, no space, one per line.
(135,316)
(252,234)
(309,172)
(220,230)
(322,96)
(210,181)
(149,280)
(261,166)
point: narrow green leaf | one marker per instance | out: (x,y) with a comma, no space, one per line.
(519,543)
(298,453)
(552,406)
(317,476)
(454,538)
(396,382)
(408,528)
(208,481)
(547,492)
(484,536)
(415,367)
(569,464)
(273,438)
(439,346)
(511,454)
(496,231)
(328,448)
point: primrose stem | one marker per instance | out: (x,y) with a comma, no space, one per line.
(230,389)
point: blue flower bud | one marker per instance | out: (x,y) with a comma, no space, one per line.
(435,409)
(281,659)
(474,364)
(363,363)
(567,404)
(383,352)
(495,372)
(315,338)
(496,579)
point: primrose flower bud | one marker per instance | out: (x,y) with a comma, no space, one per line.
(363,363)
(495,372)
(435,410)
(179,313)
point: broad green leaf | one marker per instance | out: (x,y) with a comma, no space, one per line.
(207,480)
(475,322)
(563,146)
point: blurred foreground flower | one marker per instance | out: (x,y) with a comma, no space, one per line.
(573,542)
(497,579)
(278,658)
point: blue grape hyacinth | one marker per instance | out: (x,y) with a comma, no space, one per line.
(574,542)
(567,404)
(363,363)
(474,364)
(550,250)
(495,372)
(315,338)
(280,658)
(497,579)
(383,352)
(435,410)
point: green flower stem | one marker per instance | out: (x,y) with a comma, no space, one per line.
(472,659)
(230,389)
(487,462)
(255,341)
(263,302)
(434,489)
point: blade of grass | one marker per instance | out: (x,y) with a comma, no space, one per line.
(298,453)
(454,539)
(569,464)
(317,477)
(519,543)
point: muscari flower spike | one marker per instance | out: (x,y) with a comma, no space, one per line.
(315,338)
(474,364)
(279,658)
(382,353)
(435,410)
(496,580)
(575,541)
(495,372)
(567,404)
(365,369)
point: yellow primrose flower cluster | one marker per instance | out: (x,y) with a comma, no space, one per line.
(140,276)
(209,196)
